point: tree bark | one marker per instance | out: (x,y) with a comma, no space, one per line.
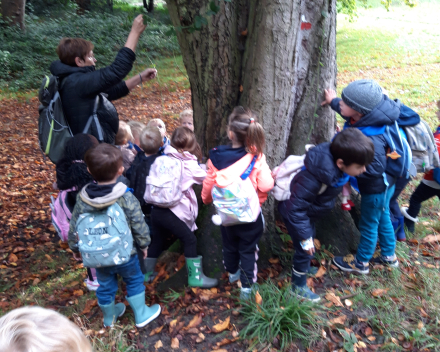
(13,12)
(275,57)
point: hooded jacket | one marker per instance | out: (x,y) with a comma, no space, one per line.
(226,163)
(187,209)
(93,197)
(79,87)
(305,203)
(385,113)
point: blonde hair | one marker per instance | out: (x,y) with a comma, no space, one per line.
(156,123)
(150,140)
(136,128)
(187,112)
(124,134)
(36,329)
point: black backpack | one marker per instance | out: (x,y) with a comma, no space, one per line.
(53,129)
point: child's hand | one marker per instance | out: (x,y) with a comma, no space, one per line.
(148,74)
(77,256)
(330,94)
(311,251)
(145,251)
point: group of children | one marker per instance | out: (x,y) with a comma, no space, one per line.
(101,176)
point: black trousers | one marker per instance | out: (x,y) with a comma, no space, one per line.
(240,243)
(165,228)
(301,260)
(422,193)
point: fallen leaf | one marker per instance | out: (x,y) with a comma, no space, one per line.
(274,260)
(193,331)
(423,313)
(157,330)
(431,238)
(90,303)
(371,338)
(194,322)
(420,325)
(159,344)
(348,303)
(379,292)
(78,292)
(12,258)
(339,320)
(175,343)
(317,244)
(221,326)
(321,272)
(200,338)
(258,298)
(368,331)
(48,257)
(361,344)
(330,296)
(36,281)
(395,341)
(226,341)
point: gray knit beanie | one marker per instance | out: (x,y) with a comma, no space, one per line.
(362,95)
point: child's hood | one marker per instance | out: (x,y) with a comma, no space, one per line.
(106,199)
(224,156)
(169,150)
(320,163)
(385,113)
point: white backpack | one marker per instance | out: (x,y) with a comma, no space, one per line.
(164,182)
(238,202)
(285,173)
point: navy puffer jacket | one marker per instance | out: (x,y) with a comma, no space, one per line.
(385,113)
(79,87)
(305,204)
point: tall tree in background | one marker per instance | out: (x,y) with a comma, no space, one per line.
(13,12)
(275,57)
(148,5)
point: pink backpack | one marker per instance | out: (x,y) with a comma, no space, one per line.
(61,214)
(164,182)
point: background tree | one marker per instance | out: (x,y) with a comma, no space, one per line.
(13,12)
(275,57)
(148,5)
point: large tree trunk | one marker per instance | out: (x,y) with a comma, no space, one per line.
(13,12)
(275,57)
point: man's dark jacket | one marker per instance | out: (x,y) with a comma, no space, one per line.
(79,87)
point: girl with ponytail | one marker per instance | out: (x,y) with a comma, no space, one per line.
(240,242)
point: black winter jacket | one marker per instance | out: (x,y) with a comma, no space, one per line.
(79,87)
(305,204)
(385,113)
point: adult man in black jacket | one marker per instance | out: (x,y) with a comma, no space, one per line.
(80,83)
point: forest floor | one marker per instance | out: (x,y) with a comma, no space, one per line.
(395,310)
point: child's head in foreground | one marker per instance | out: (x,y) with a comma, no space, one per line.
(183,139)
(124,134)
(104,163)
(136,130)
(359,98)
(352,151)
(186,119)
(36,329)
(158,123)
(151,140)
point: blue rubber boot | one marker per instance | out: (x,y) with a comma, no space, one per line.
(112,312)
(400,232)
(142,313)
(234,277)
(300,289)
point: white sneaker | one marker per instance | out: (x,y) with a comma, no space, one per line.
(92,285)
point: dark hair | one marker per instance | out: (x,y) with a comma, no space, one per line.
(103,162)
(70,48)
(71,169)
(150,140)
(185,139)
(244,123)
(353,147)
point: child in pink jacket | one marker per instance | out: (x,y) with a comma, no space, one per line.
(240,242)
(179,221)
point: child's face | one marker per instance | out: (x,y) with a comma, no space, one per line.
(349,112)
(352,170)
(187,121)
(161,126)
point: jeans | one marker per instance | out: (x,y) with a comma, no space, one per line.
(108,280)
(375,222)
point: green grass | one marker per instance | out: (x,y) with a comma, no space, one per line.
(400,49)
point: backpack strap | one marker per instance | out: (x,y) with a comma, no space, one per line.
(249,169)
(94,117)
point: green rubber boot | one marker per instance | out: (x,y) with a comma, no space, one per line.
(112,312)
(196,278)
(142,313)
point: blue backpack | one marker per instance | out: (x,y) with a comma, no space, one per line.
(104,237)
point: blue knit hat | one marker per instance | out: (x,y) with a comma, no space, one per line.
(362,95)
